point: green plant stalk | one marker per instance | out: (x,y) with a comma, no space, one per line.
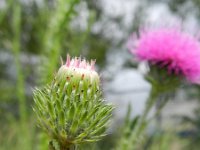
(73,147)
(62,147)
(20,85)
(142,121)
(16,50)
(161,84)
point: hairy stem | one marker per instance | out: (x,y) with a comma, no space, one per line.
(142,121)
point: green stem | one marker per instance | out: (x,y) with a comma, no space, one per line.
(20,83)
(51,146)
(16,50)
(62,146)
(160,108)
(68,147)
(141,123)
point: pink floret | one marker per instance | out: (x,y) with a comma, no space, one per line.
(179,52)
(79,63)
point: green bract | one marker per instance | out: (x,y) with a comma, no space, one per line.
(71,109)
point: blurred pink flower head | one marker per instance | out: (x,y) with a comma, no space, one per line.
(178,52)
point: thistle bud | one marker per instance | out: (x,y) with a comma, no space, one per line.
(71,109)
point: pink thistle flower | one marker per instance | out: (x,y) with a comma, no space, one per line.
(178,52)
